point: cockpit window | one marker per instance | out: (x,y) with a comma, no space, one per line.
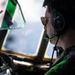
(27,39)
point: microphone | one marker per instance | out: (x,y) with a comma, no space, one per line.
(47,37)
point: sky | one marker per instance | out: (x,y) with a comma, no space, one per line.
(27,39)
(32,9)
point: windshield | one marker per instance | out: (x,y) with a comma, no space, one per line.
(27,39)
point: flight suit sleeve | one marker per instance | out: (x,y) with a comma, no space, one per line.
(59,69)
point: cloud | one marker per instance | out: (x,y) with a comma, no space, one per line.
(31,10)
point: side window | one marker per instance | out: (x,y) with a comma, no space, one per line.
(26,39)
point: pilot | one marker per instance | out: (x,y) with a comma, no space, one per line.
(59,24)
